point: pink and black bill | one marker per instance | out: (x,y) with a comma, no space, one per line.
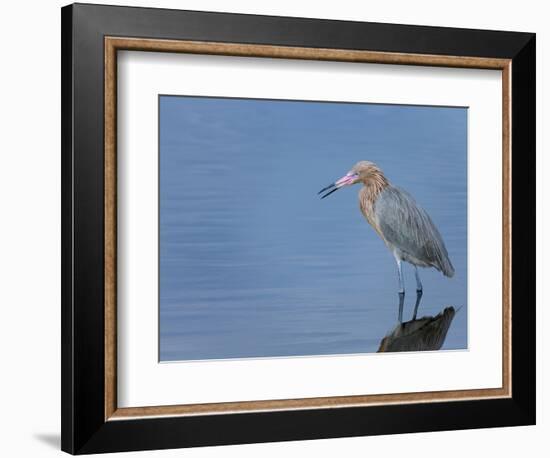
(348,179)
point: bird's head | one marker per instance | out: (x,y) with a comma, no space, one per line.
(362,172)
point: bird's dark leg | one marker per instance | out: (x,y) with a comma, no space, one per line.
(401,302)
(418,292)
(418,297)
(418,282)
(400,280)
(401,290)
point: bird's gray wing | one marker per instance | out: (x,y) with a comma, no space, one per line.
(408,227)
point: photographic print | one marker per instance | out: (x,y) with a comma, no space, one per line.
(260,257)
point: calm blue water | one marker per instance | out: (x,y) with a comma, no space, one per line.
(254,264)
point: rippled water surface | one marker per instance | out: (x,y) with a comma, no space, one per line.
(254,264)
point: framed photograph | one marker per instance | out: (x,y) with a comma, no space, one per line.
(282,228)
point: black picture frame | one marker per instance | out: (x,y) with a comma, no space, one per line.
(84,428)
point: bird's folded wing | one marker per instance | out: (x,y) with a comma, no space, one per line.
(409,228)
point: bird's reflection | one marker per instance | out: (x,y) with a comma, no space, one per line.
(423,334)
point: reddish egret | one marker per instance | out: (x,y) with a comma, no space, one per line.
(403,225)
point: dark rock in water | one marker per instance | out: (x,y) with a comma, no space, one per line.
(424,334)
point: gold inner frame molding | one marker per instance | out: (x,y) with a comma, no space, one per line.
(114,44)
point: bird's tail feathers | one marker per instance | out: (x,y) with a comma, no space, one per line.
(447,268)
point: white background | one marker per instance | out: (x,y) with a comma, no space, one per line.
(30,230)
(142,381)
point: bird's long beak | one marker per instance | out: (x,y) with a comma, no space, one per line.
(348,179)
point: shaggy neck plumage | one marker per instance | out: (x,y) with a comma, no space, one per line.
(373,185)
